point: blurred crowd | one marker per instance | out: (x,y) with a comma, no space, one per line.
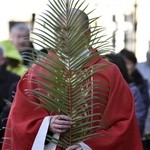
(137,75)
(15,54)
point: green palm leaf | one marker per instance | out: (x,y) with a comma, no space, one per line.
(66,85)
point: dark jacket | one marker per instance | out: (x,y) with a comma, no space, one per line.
(7,79)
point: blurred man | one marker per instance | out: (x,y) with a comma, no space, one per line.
(20,36)
(17,48)
(144,69)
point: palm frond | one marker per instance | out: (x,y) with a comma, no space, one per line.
(65,85)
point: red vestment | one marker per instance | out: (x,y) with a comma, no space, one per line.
(123,132)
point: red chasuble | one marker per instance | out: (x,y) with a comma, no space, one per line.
(122,131)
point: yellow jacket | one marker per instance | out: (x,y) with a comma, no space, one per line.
(12,53)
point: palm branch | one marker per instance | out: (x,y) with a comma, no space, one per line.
(66,86)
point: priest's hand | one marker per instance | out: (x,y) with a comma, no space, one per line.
(60,124)
(74,147)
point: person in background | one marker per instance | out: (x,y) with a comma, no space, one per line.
(20,37)
(144,69)
(136,77)
(18,49)
(140,81)
(138,99)
(7,79)
(14,61)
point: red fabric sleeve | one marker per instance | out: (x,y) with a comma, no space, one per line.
(119,115)
(24,119)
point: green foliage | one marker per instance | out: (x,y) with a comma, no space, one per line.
(66,86)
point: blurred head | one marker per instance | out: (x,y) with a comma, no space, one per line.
(148,56)
(119,61)
(130,60)
(78,23)
(83,25)
(19,34)
(82,18)
(2,57)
